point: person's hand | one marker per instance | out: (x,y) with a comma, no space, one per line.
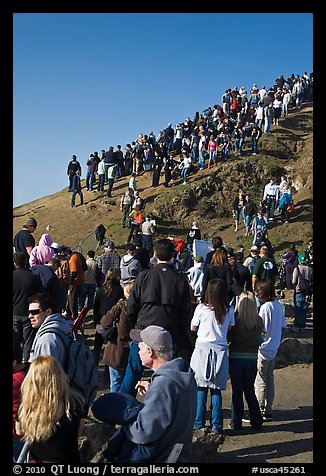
(99,329)
(142,386)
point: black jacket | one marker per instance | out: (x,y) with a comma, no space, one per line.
(160,296)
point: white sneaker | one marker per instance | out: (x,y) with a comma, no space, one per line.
(245,420)
(184,183)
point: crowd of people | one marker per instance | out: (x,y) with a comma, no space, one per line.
(196,321)
(198,143)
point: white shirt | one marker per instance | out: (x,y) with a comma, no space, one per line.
(273,318)
(209,331)
(101,168)
(262,93)
(195,276)
(287,98)
(271,189)
(186,162)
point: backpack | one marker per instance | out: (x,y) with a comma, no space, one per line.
(100,233)
(83,260)
(79,366)
(252,263)
(304,284)
(111,333)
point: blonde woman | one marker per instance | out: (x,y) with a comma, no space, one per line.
(244,339)
(49,414)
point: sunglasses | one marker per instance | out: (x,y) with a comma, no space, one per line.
(34,312)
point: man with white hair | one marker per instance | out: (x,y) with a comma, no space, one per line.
(165,420)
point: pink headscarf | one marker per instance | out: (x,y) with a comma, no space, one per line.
(43,252)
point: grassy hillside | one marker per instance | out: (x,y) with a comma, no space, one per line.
(207,198)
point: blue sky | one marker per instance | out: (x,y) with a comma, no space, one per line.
(86,81)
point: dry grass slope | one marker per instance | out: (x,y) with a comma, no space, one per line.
(207,198)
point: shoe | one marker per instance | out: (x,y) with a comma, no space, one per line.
(232,428)
(217,431)
(198,427)
(271,219)
(245,420)
(286,221)
(267,416)
(184,183)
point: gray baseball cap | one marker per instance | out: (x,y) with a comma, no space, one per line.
(156,337)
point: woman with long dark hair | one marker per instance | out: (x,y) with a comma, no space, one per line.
(212,319)
(106,297)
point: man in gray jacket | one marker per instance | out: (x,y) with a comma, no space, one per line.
(46,342)
(160,430)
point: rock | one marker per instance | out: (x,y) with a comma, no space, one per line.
(294,351)
(95,438)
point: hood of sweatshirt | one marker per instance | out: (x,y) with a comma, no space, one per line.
(45,240)
(126,259)
(56,321)
(178,370)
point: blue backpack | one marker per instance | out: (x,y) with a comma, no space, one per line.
(79,366)
(252,263)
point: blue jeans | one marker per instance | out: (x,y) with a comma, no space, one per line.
(254,143)
(202,159)
(101,180)
(248,220)
(184,173)
(212,157)
(270,207)
(90,178)
(86,290)
(134,370)
(216,408)
(194,153)
(73,197)
(241,142)
(110,186)
(243,374)
(225,153)
(300,310)
(116,378)
(237,214)
(268,123)
(147,242)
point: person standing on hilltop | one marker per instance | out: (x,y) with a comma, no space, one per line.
(24,240)
(76,188)
(91,169)
(72,169)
